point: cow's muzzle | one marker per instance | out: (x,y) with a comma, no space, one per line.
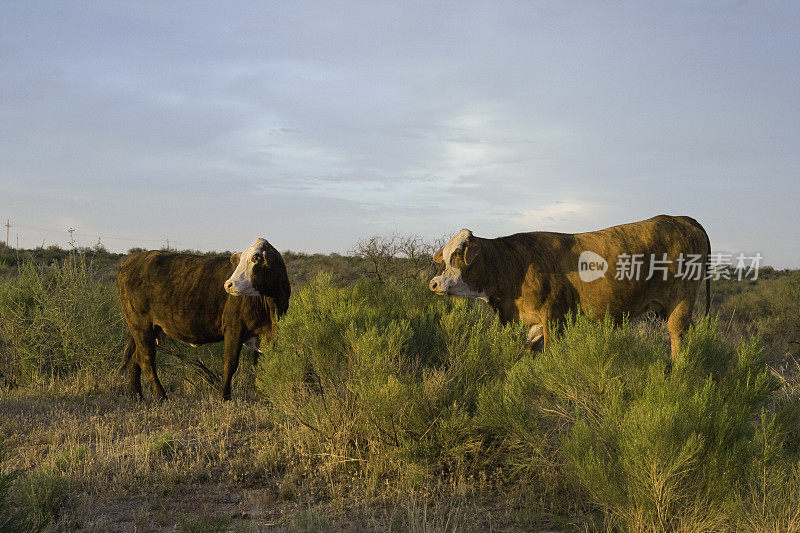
(230,288)
(436,287)
(240,289)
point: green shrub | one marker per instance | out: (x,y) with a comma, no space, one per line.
(390,369)
(771,495)
(656,444)
(13,519)
(385,382)
(164,444)
(391,380)
(44,494)
(56,320)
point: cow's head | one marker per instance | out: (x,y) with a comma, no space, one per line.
(260,271)
(454,262)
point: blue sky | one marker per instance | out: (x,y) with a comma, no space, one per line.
(314,124)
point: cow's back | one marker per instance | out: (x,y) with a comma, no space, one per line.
(659,234)
(540,270)
(626,290)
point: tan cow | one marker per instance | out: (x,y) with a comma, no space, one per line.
(538,277)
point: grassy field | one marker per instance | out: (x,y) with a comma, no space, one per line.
(383,407)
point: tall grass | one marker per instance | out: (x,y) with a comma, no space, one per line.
(770,309)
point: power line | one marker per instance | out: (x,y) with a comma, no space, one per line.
(170,243)
(113,237)
(71,233)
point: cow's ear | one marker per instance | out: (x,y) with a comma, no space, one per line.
(471,252)
(235,258)
(438,257)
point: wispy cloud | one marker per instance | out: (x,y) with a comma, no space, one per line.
(318,122)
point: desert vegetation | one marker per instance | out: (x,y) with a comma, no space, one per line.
(381,406)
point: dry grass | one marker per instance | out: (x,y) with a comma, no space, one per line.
(195,463)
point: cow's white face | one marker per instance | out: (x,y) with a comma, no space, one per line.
(241,281)
(453,259)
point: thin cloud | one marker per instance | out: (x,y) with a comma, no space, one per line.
(501,117)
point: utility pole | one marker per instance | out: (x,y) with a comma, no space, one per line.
(7,225)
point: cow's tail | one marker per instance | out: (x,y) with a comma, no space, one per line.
(130,348)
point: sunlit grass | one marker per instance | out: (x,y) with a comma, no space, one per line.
(382,406)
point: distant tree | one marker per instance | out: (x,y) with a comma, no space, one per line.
(395,256)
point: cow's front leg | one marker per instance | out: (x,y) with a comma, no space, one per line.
(135,379)
(233,345)
(547,325)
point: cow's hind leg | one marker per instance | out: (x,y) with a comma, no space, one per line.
(134,370)
(135,379)
(678,322)
(127,354)
(146,357)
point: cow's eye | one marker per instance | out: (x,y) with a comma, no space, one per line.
(255,258)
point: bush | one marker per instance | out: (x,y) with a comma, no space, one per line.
(386,373)
(13,519)
(56,320)
(203,523)
(656,444)
(389,380)
(386,387)
(44,494)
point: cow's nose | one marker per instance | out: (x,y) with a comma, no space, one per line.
(228,286)
(433,285)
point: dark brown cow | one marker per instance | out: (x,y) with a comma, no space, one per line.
(197,300)
(538,277)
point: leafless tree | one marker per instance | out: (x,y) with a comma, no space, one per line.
(395,256)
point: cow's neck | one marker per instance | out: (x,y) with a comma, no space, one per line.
(491,271)
(256,314)
(498,272)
